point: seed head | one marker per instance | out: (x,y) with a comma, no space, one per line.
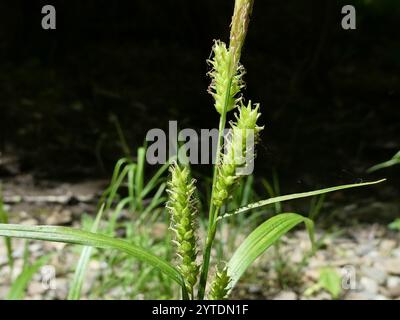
(238,151)
(182,208)
(219,286)
(223,74)
(239,26)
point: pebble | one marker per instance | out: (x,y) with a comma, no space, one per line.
(322,295)
(286,295)
(29,222)
(392,265)
(59,218)
(396,252)
(354,295)
(254,289)
(35,246)
(61,285)
(365,249)
(387,245)
(51,246)
(375,261)
(3,292)
(36,288)
(393,286)
(377,274)
(393,282)
(312,274)
(394,292)
(369,285)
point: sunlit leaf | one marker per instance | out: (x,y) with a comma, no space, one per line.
(261,239)
(266,202)
(74,236)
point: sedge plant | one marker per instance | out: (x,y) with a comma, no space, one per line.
(191,270)
(395,160)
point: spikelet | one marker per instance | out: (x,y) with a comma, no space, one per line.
(181,206)
(223,70)
(219,286)
(239,26)
(237,151)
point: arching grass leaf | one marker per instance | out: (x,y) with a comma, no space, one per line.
(266,202)
(74,236)
(395,160)
(261,239)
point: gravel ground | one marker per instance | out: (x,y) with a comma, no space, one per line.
(365,257)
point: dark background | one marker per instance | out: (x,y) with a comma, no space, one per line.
(330,97)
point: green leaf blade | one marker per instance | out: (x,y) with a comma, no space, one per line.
(392,162)
(79,275)
(74,236)
(7,241)
(18,288)
(331,281)
(269,201)
(261,239)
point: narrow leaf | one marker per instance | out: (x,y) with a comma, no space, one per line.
(18,288)
(7,241)
(74,236)
(139,177)
(156,179)
(261,239)
(395,160)
(266,202)
(77,281)
(331,281)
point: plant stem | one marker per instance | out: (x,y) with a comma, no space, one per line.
(213,212)
(240,21)
(206,259)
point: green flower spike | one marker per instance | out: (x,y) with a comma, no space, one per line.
(237,151)
(182,208)
(221,76)
(219,287)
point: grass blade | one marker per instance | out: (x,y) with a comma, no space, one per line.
(122,140)
(261,239)
(395,160)
(18,288)
(75,236)
(4,219)
(266,202)
(139,178)
(156,179)
(156,201)
(247,190)
(115,175)
(131,187)
(114,187)
(331,281)
(77,282)
(116,213)
(117,169)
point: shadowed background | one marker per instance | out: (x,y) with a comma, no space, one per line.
(330,97)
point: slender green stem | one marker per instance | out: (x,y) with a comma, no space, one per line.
(206,260)
(213,212)
(240,21)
